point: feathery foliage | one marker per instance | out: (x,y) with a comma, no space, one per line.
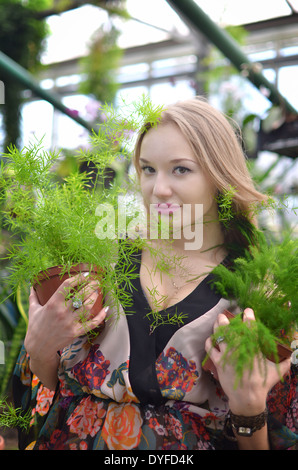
(57,223)
(266,280)
(13,417)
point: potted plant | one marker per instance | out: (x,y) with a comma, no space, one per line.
(54,224)
(265,279)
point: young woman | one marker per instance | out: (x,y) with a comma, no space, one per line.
(134,387)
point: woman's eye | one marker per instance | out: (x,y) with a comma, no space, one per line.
(181,170)
(148,170)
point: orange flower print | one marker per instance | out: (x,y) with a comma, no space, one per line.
(122,428)
(82,446)
(157,426)
(128,396)
(44,400)
(176,376)
(64,389)
(86,419)
(92,372)
(23,367)
(174,426)
(35,381)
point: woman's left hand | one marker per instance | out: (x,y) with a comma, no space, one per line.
(249,398)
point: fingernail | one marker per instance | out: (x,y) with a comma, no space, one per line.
(107,309)
(86,274)
(248,311)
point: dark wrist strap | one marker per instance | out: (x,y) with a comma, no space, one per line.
(244,426)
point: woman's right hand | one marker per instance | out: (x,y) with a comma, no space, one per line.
(56,324)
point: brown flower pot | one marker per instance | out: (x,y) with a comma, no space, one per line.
(283,351)
(47,282)
(2,443)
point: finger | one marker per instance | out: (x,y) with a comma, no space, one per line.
(213,353)
(73,284)
(86,311)
(220,321)
(218,344)
(92,323)
(248,315)
(284,366)
(76,287)
(33,295)
(87,290)
(33,300)
(208,344)
(87,296)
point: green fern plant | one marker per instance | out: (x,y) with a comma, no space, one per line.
(54,223)
(266,280)
(12,417)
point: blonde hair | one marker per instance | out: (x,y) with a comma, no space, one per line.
(219,152)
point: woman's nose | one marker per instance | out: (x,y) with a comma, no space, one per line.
(162,186)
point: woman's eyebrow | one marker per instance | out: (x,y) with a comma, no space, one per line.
(175,160)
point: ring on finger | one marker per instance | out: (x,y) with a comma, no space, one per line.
(76,303)
(219,340)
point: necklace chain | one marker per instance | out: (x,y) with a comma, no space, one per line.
(177,288)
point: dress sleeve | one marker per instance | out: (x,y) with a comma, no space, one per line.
(29,394)
(282,406)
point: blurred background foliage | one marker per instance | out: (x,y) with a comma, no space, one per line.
(22,39)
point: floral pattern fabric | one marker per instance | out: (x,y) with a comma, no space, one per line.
(95,407)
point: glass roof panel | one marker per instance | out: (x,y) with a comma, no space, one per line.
(151,22)
(235,12)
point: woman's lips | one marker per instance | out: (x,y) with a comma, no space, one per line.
(166,208)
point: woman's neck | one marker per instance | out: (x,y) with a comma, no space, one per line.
(210,254)
(204,240)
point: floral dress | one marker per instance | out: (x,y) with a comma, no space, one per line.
(133,388)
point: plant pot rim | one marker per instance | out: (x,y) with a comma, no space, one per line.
(61,269)
(49,280)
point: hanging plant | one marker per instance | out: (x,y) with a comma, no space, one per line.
(101,64)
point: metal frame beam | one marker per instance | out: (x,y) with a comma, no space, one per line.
(197,20)
(20,74)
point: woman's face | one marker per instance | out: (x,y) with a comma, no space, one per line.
(171,178)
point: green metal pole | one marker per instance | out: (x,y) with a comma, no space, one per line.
(197,18)
(23,76)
